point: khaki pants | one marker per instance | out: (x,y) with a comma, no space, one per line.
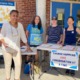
(17,61)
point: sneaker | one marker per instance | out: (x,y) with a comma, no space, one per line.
(67,72)
(72,72)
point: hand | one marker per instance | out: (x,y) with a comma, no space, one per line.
(29,49)
(62,44)
(6,45)
(3,42)
(58,42)
(79,40)
(45,42)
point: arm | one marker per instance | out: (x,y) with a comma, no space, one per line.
(27,33)
(28,30)
(47,33)
(2,35)
(62,37)
(3,42)
(46,38)
(78,30)
(61,40)
(23,38)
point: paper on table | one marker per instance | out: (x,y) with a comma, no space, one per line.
(56,46)
(23,49)
(78,49)
(68,47)
(46,45)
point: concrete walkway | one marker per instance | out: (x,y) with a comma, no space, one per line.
(52,74)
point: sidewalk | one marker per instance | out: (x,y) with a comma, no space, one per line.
(53,74)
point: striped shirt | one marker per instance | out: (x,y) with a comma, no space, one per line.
(54,34)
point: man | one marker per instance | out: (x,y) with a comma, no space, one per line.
(54,33)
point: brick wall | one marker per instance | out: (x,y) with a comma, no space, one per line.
(47,13)
(27,10)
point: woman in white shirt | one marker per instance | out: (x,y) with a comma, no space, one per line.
(10,36)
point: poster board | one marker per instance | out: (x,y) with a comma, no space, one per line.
(5,8)
(64,59)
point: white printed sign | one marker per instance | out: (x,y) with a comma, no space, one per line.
(5,8)
(64,59)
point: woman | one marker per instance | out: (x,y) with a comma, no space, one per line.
(34,33)
(70,37)
(10,36)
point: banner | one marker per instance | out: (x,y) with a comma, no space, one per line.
(36,39)
(5,8)
(64,59)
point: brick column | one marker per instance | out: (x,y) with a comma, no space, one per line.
(47,13)
(27,10)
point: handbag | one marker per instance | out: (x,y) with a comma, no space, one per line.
(27,68)
(10,50)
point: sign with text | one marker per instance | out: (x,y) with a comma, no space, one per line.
(64,59)
(36,39)
(5,8)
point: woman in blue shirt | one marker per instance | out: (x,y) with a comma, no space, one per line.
(34,33)
(70,37)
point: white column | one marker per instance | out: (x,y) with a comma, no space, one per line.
(41,11)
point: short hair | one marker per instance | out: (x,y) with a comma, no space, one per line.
(12,11)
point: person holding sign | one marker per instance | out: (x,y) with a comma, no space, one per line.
(70,37)
(34,33)
(54,33)
(10,36)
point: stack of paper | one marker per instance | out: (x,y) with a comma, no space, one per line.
(11,44)
(56,46)
(68,47)
(78,49)
(46,45)
(23,49)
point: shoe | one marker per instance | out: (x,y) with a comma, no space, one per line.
(72,72)
(67,72)
(54,68)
